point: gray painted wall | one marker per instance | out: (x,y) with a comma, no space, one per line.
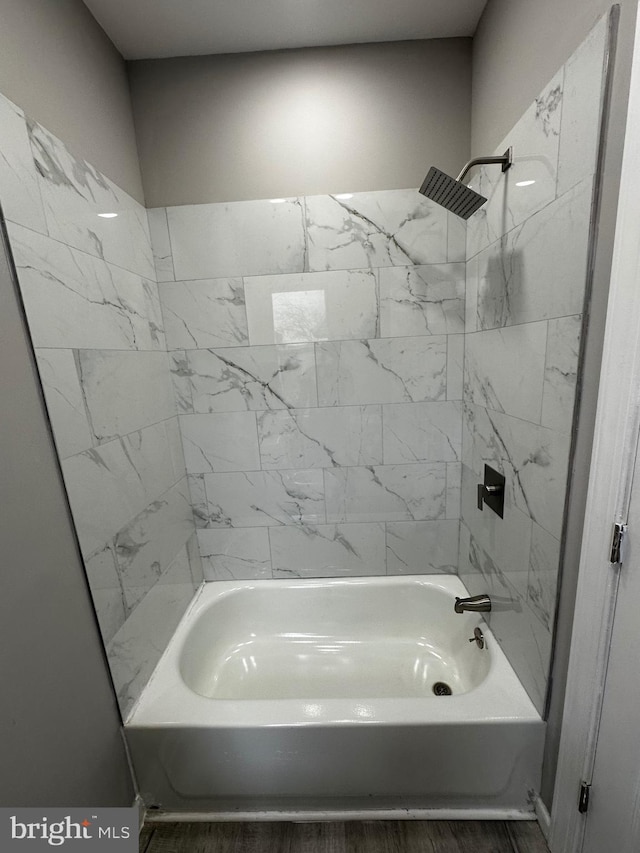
(58,65)
(61,741)
(518,47)
(300,122)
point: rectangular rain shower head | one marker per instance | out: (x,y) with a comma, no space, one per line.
(451,194)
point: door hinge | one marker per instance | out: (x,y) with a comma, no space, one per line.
(583,799)
(617,541)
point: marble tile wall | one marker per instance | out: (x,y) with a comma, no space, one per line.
(317,356)
(311,387)
(527,252)
(90,292)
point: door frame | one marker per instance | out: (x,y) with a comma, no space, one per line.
(617,430)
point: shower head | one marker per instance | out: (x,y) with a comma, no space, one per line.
(451,194)
(454,195)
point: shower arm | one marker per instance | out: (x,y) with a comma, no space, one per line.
(505,161)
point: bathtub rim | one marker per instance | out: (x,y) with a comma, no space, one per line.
(167,702)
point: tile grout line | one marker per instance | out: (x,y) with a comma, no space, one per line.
(173,263)
(333,272)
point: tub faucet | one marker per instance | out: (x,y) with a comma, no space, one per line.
(476,604)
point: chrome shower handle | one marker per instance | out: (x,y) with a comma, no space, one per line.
(486,491)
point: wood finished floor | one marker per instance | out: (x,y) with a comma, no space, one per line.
(382,836)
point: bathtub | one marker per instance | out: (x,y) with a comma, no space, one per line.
(307,697)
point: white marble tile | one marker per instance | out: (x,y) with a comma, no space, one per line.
(456,238)
(283,309)
(581,107)
(65,404)
(202,314)
(110,484)
(527,644)
(542,458)
(253,378)
(149,543)
(454,483)
(19,190)
(161,244)
(468,570)
(455,366)
(176,452)
(544,566)
(195,561)
(235,554)
(106,592)
(487,544)
(471,296)
(328,550)
(530,183)
(538,271)
(386,493)
(422,300)
(181,381)
(387,370)
(76,300)
(560,373)
(504,369)
(264,498)
(422,432)
(225,441)
(175,572)
(154,316)
(422,547)
(479,443)
(375,229)
(534,460)
(237,239)
(199,504)
(198,495)
(179,572)
(129,244)
(470,454)
(320,438)
(125,391)
(524,640)
(506,541)
(74,195)
(492,221)
(137,647)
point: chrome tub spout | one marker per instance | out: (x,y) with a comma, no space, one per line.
(475,604)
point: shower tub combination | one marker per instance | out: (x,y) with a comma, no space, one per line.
(317,697)
(328,697)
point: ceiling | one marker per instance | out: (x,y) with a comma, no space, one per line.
(145,29)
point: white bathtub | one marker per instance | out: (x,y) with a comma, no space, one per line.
(317,695)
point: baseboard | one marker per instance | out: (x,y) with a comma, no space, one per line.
(310,816)
(543,817)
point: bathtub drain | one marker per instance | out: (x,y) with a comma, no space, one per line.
(441,689)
